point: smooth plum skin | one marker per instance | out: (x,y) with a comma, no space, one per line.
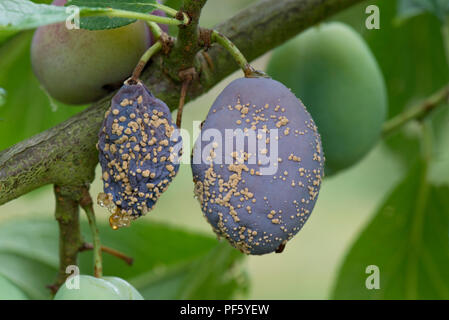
(80,66)
(91,288)
(335,74)
(8,291)
(127,291)
(275,206)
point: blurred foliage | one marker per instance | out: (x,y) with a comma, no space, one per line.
(169,263)
(407,240)
(409,8)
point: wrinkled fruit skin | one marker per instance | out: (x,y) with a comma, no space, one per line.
(8,291)
(81,66)
(139,150)
(335,74)
(91,288)
(258,212)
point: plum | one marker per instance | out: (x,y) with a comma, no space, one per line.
(139,150)
(258,175)
(334,72)
(81,66)
(91,288)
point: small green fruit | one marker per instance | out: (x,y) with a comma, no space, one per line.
(91,288)
(8,291)
(332,70)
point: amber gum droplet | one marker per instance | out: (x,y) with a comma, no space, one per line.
(119,220)
(103,199)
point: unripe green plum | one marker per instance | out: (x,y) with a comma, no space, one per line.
(127,291)
(80,66)
(91,288)
(332,70)
(8,291)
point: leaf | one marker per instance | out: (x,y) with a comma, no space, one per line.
(100,23)
(408,240)
(27,109)
(410,8)
(167,260)
(217,275)
(23,14)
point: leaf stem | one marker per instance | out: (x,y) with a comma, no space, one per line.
(118,13)
(416,112)
(87,205)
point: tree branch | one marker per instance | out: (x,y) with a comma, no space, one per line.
(67,215)
(66,154)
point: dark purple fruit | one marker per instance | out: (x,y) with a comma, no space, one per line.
(259,192)
(139,148)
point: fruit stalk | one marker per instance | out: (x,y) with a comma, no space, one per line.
(87,205)
(418,112)
(221,39)
(155,48)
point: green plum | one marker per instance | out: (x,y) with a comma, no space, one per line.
(81,66)
(8,291)
(91,288)
(332,70)
(127,291)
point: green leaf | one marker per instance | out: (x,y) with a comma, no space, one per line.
(168,262)
(410,8)
(100,23)
(27,109)
(23,14)
(408,240)
(218,275)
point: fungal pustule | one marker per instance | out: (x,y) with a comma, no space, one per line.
(257,165)
(139,150)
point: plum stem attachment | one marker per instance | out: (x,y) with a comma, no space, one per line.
(87,205)
(186,76)
(248,70)
(155,48)
(117,13)
(113,252)
(417,112)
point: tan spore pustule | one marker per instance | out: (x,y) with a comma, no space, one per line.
(258,212)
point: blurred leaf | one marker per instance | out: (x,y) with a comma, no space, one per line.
(151,245)
(217,275)
(100,23)
(23,14)
(410,8)
(29,275)
(29,259)
(27,109)
(408,240)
